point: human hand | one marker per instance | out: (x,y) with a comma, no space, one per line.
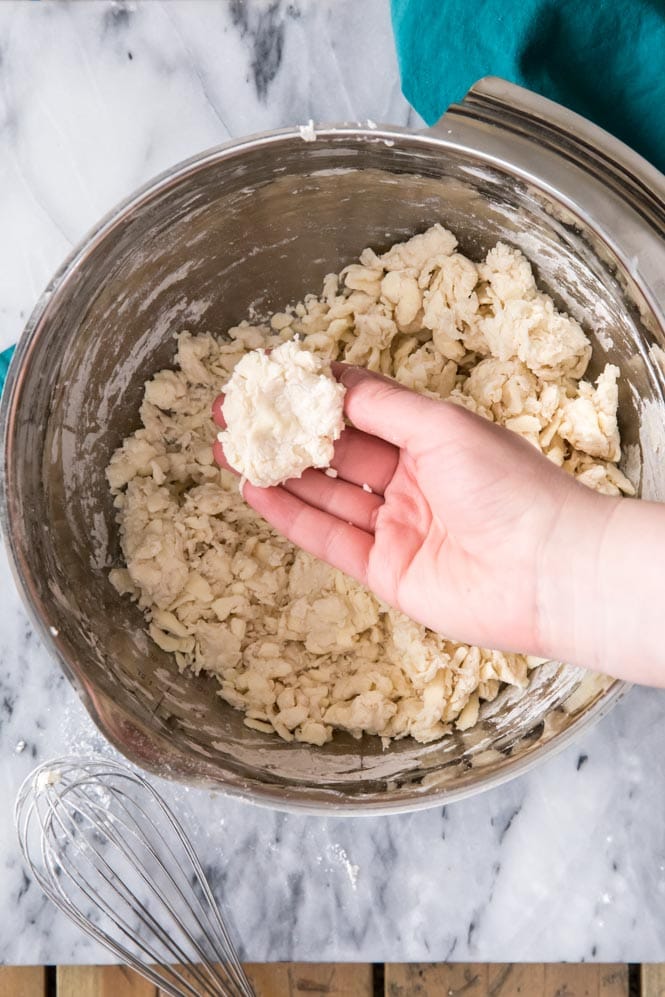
(467,528)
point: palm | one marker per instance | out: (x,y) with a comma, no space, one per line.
(449,544)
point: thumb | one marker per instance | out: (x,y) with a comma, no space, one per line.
(382,407)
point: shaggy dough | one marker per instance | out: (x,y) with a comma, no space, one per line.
(283,413)
(298,646)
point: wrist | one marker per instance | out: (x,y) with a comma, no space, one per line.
(571,606)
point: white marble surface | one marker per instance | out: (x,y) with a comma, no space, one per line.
(567,863)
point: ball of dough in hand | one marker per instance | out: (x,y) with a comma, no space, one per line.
(283,412)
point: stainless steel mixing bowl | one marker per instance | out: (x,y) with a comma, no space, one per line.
(258,223)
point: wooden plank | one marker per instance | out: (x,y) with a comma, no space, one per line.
(269,980)
(523,979)
(597,980)
(436,979)
(506,980)
(653,979)
(102,981)
(292,979)
(22,981)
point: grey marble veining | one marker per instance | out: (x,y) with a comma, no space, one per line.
(566,863)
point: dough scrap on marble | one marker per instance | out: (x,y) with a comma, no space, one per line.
(283,413)
(301,648)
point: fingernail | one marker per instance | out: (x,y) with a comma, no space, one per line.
(351,375)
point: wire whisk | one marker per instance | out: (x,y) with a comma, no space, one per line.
(107,850)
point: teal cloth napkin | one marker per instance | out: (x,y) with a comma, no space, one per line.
(604,59)
(5,357)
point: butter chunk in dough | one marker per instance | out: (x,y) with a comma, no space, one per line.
(590,420)
(283,413)
(523,323)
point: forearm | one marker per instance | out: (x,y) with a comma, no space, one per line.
(602,598)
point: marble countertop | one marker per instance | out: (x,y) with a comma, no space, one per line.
(565,863)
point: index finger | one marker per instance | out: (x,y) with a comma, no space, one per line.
(382,407)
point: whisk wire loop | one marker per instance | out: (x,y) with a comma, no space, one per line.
(123,894)
(174,950)
(52,886)
(94,833)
